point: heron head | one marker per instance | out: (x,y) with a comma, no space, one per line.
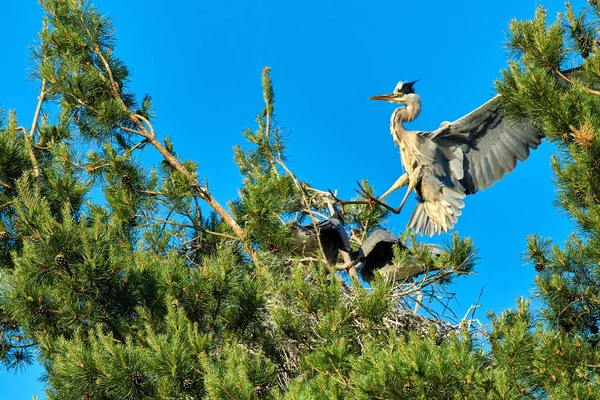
(397,96)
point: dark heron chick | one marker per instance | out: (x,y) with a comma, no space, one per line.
(377,254)
(333,238)
(457,159)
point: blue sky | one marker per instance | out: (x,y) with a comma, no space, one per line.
(201,61)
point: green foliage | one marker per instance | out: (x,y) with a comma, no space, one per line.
(115,276)
(564,102)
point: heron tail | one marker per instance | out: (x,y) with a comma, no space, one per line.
(438,214)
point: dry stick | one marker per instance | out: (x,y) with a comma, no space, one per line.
(29,146)
(146,130)
(38,109)
(100,54)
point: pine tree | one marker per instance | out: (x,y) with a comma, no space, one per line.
(145,295)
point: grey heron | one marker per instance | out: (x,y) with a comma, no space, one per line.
(332,234)
(457,159)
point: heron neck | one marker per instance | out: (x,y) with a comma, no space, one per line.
(411,109)
(404,114)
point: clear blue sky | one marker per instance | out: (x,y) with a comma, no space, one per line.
(201,61)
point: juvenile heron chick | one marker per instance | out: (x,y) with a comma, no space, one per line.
(332,234)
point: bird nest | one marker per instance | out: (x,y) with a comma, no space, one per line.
(403,321)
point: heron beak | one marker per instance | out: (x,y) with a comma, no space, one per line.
(393,97)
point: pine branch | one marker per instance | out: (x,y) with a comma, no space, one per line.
(306,203)
(146,130)
(268,98)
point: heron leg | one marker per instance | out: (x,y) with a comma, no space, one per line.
(411,187)
(402,181)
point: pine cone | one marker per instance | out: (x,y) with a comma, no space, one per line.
(273,248)
(583,45)
(87,396)
(43,311)
(539,267)
(187,384)
(126,180)
(4,236)
(60,260)
(593,2)
(259,391)
(175,304)
(137,378)
(42,268)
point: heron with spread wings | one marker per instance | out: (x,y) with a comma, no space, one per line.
(457,159)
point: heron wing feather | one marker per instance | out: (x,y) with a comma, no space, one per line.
(490,145)
(377,236)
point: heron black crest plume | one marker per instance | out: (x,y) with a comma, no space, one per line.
(405,87)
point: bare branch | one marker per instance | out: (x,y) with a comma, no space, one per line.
(566,78)
(6,185)
(30,136)
(38,109)
(130,130)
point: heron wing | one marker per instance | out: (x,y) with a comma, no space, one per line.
(333,238)
(332,234)
(376,237)
(376,252)
(484,145)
